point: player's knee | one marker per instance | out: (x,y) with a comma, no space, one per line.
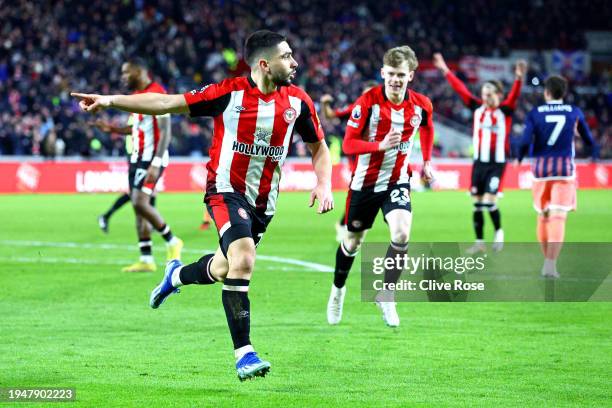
(353,243)
(242,264)
(400,236)
(558,214)
(140,205)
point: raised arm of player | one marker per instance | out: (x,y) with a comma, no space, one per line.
(464,93)
(145,103)
(519,72)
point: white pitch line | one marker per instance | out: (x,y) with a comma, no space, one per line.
(46,259)
(77,261)
(308,266)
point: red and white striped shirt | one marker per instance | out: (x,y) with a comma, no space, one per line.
(491,130)
(252,135)
(372,117)
(145,131)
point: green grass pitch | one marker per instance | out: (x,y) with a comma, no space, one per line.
(70,318)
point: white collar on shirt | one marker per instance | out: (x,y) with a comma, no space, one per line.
(557,101)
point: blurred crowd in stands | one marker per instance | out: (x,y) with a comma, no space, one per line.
(49,48)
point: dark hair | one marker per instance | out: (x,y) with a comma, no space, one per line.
(556,86)
(138,62)
(260,41)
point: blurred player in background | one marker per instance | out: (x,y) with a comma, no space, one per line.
(549,138)
(491,129)
(104,219)
(380,132)
(342,114)
(254,121)
(151,136)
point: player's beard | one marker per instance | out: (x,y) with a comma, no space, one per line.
(131,83)
(282,79)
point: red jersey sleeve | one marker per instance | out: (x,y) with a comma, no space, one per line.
(343,113)
(353,142)
(210,100)
(514,94)
(466,96)
(426,131)
(307,123)
(156,88)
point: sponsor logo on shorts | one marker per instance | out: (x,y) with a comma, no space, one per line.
(289,115)
(494,183)
(242,212)
(356,223)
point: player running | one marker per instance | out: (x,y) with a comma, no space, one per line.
(380,131)
(491,130)
(343,114)
(254,121)
(549,137)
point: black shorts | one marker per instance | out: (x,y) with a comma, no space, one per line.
(486,177)
(138,173)
(363,206)
(235,218)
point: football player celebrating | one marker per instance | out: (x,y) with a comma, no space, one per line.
(491,140)
(380,132)
(254,121)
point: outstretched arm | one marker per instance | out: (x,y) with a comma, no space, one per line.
(519,72)
(145,103)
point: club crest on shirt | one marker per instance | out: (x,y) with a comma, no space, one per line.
(242,212)
(415,120)
(289,115)
(356,112)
